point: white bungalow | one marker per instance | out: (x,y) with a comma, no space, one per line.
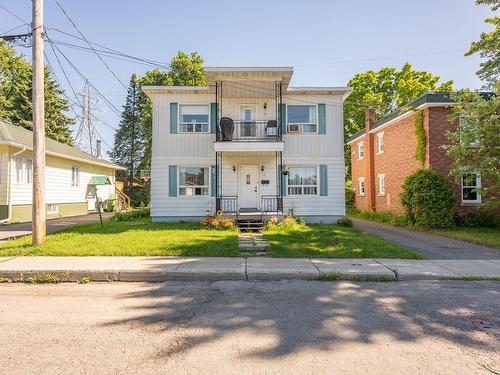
(247,143)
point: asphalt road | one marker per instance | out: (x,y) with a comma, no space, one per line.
(286,327)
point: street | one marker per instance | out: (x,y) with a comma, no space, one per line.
(293,327)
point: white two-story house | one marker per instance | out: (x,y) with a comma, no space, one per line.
(247,143)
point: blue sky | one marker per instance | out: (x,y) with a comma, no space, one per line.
(326,41)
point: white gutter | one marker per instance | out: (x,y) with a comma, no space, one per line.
(9,183)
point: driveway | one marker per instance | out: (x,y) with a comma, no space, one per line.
(429,245)
(10,231)
(242,327)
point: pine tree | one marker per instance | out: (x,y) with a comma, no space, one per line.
(15,97)
(129,144)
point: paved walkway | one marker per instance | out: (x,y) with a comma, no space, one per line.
(254,243)
(254,268)
(429,245)
(11,231)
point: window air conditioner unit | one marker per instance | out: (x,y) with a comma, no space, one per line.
(293,128)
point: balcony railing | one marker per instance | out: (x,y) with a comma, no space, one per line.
(251,130)
(227,204)
(268,204)
(271,203)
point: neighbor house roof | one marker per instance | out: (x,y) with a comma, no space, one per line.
(434,99)
(18,136)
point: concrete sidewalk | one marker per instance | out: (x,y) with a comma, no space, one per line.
(252,268)
(12,231)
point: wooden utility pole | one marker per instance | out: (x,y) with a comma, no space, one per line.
(38,206)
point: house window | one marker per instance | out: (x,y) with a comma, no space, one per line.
(381,184)
(193,181)
(361,182)
(24,170)
(302,119)
(380,143)
(75,176)
(302,181)
(361,151)
(52,208)
(470,184)
(462,127)
(193,118)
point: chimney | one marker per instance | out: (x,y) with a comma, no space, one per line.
(369,159)
(98,149)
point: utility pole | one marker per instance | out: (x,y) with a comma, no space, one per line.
(38,206)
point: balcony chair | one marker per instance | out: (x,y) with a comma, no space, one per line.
(226,128)
(272,128)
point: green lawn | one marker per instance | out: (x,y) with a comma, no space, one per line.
(484,236)
(331,241)
(137,237)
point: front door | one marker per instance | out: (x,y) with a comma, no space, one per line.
(248,186)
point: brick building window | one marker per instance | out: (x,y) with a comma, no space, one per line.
(381,184)
(380,143)
(470,184)
(361,182)
(361,150)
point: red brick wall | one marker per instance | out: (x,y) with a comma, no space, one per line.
(358,169)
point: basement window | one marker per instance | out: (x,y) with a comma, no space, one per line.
(52,208)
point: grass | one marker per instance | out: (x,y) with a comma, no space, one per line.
(330,241)
(138,237)
(480,235)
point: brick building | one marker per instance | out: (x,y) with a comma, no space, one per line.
(383,155)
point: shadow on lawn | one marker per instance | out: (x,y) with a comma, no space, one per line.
(299,315)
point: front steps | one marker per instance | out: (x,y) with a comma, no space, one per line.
(250,223)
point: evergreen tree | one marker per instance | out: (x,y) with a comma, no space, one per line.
(129,144)
(15,96)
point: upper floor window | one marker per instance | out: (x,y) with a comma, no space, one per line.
(193,118)
(302,181)
(24,170)
(380,143)
(361,151)
(361,181)
(470,184)
(381,184)
(75,176)
(193,181)
(302,119)
(465,132)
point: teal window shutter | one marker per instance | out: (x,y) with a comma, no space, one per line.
(282,116)
(213,117)
(323,180)
(283,180)
(173,118)
(322,118)
(213,182)
(172,180)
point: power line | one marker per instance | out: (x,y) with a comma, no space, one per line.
(15,28)
(90,45)
(15,15)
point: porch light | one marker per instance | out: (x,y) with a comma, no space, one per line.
(265,105)
(284,171)
(262,168)
(234,168)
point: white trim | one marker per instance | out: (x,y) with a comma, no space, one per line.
(203,196)
(77,180)
(361,192)
(179,122)
(222,69)
(26,178)
(381,177)
(301,125)
(380,135)
(361,146)
(478,185)
(318,183)
(49,211)
(356,139)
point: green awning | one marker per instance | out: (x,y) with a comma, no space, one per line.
(99,180)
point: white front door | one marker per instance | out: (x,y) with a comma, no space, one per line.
(248,186)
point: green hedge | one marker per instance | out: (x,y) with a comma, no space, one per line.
(428,199)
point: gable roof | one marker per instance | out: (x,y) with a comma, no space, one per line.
(18,136)
(429,98)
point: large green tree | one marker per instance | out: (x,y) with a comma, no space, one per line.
(15,96)
(488,46)
(185,70)
(475,145)
(129,144)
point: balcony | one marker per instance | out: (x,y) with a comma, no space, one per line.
(248,135)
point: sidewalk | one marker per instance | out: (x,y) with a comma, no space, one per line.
(252,268)
(12,231)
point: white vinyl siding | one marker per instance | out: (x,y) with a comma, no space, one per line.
(193,118)
(471,182)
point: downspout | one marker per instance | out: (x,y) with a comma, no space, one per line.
(9,183)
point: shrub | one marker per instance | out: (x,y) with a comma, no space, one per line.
(349,195)
(428,199)
(345,222)
(132,214)
(219,222)
(483,217)
(381,217)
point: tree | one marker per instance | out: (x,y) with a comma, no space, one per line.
(385,91)
(479,116)
(128,148)
(185,70)
(488,46)
(15,97)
